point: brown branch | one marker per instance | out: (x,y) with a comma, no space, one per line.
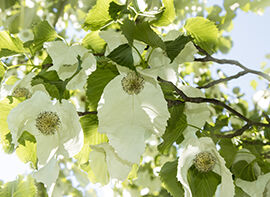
(246,70)
(213,101)
(241,73)
(236,133)
(87,112)
(255,142)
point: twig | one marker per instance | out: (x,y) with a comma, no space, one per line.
(213,101)
(236,133)
(87,112)
(246,70)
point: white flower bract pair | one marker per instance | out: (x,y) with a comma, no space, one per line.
(192,147)
(55,126)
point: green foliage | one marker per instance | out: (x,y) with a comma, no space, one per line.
(176,125)
(43,32)
(27,149)
(168,177)
(142,32)
(2,71)
(115,10)
(203,184)
(204,32)
(98,16)
(89,125)
(93,41)
(122,55)
(244,170)
(168,15)
(173,48)
(97,81)
(10,45)
(239,192)
(227,151)
(19,188)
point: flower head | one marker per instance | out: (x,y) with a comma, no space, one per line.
(55,126)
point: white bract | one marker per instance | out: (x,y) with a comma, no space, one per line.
(106,164)
(254,188)
(129,111)
(197,113)
(48,175)
(262,99)
(65,62)
(203,154)
(55,126)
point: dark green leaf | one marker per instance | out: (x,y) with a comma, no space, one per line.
(142,32)
(122,55)
(97,81)
(176,125)
(244,170)
(98,16)
(240,193)
(227,151)
(173,48)
(203,184)
(168,177)
(115,9)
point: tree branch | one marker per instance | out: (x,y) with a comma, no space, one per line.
(236,133)
(246,70)
(213,101)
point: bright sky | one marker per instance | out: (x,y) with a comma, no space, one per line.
(251,42)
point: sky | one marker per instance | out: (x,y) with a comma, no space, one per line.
(251,41)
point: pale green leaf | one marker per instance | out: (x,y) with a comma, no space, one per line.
(168,177)
(204,32)
(19,188)
(27,149)
(10,45)
(254,84)
(98,16)
(89,125)
(93,41)
(168,15)
(2,71)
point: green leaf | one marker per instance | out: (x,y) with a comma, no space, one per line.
(176,125)
(203,184)
(168,15)
(93,41)
(89,125)
(27,149)
(122,55)
(244,170)
(5,108)
(227,151)
(43,32)
(98,16)
(19,188)
(97,81)
(240,193)
(10,45)
(173,48)
(2,71)
(116,9)
(142,32)
(4,4)
(204,32)
(168,177)
(6,142)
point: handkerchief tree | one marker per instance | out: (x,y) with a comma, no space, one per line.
(120,98)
